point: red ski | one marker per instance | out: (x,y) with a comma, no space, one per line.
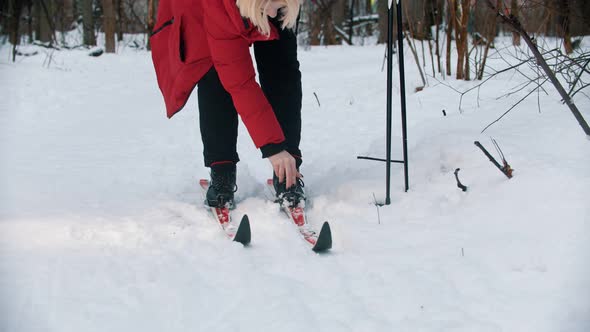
(321,241)
(238,232)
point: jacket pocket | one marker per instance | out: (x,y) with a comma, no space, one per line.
(164,25)
(167,54)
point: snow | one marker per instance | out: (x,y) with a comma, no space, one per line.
(102,226)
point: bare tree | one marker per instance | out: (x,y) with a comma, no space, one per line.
(46,27)
(109,25)
(67,15)
(151,19)
(15,10)
(411,43)
(120,17)
(88,19)
(488,33)
(29,19)
(563,24)
(461,38)
(579,66)
(322,29)
(382,24)
(451,19)
(368,11)
(437,12)
(514,10)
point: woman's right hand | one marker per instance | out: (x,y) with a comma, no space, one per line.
(285,168)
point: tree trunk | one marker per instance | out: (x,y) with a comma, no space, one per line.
(45,31)
(30,20)
(451,18)
(368,11)
(315,28)
(68,14)
(151,21)
(37,21)
(458,41)
(489,33)
(3,18)
(415,54)
(120,17)
(467,72)
(515,12)
(322,23)
(437,12)
(339,12)
(108,23)
(563,24)
(88,19)
(351,20)
(382,11)
(328,29)
(15,9)
(461,38)
(549,13)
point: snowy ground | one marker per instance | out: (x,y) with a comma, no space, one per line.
(101,225)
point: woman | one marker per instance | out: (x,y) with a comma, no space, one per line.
(206,42)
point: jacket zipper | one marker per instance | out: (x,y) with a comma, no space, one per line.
(165,24)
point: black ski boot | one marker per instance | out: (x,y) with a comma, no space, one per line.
(223,186)
(291,197)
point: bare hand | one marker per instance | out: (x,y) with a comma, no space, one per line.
(285,168)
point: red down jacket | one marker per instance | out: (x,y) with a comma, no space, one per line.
(189,37)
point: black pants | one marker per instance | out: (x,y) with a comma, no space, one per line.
(280,79)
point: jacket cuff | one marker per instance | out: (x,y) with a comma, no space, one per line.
(272,148)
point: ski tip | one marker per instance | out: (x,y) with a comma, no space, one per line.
(269,182)
(324,241)
(204,182)
(243,234)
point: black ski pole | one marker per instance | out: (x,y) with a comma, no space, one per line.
(402,81)
(389,99)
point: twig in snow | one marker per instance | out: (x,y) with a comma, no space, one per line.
(506,169)
(498,149)
(317,99)
(377,205)
(459,184)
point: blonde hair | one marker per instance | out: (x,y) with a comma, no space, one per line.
(254,10)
